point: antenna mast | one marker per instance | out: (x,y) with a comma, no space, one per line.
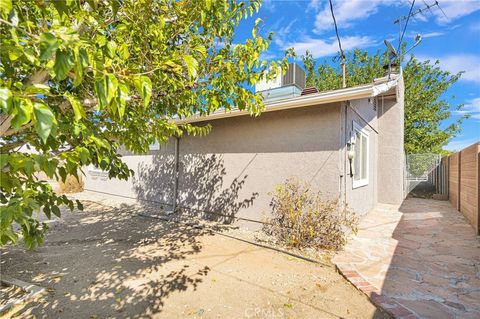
(418,11)
(410,15)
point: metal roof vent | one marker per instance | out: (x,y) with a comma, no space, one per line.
(309,90)
(286,85)
(295,75)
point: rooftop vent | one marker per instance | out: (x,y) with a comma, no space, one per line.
(309,90)
(286,85)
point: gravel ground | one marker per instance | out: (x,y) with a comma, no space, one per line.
(113,262)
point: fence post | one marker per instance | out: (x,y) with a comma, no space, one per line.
(459,180)
(478,191)
(447,185)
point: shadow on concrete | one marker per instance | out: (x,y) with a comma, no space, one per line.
(423,190)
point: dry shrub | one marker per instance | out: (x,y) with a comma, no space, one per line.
(303,218)
(71,185)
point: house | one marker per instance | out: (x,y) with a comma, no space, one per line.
(347,143)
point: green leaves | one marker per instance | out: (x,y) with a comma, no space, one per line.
(5,7)
(122,96)
(192,65)
(22,114)
(106,89)
(77,107)
(63,64)
(83,154)
(81,62)
(37,89)
(48,45)
(101,88)
(6,100)
(44,120)
(111,87)
(141,75)
(144,87)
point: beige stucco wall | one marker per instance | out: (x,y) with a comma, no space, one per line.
(153,179)
(391,154)
(234,169)
(363,199)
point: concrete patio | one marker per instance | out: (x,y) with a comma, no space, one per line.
(419,261)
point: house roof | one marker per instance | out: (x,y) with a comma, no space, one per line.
(378,87)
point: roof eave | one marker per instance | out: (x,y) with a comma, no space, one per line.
(357,92)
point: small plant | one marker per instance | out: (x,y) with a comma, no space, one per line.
(303,218)
(72,184)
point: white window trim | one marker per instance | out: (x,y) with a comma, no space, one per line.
(364,132)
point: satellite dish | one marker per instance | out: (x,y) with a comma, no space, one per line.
(390,47)
(418,39)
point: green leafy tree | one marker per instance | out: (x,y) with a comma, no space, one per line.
(79,79)
(425,86)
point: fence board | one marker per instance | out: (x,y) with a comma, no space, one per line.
(464,183)
(453,180)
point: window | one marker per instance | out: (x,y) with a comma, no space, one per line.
(360,161)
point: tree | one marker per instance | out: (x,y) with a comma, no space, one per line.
(79,79)
(425,86)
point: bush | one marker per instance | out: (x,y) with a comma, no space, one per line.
(71,185)
(303,218)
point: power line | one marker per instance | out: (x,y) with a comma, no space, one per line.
(336,29)
(342,56)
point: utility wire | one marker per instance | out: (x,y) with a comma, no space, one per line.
(336,30)
(342,56)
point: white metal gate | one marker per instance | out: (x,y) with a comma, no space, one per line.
(426,167)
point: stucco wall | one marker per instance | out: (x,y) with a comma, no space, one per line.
(363,199)
(234,169)
(153,179)
(391,154)
(242,160)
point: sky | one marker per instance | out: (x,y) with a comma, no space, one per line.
(451,36)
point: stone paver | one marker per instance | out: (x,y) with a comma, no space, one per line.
(419,261)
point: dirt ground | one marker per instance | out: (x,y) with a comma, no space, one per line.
(112,263)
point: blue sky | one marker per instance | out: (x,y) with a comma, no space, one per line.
(454,39)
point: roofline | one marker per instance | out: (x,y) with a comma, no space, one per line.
(352,93)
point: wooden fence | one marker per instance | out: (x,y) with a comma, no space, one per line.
(464,183)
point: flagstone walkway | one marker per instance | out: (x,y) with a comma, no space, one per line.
(419,261)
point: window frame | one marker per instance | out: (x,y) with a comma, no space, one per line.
(362,131)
